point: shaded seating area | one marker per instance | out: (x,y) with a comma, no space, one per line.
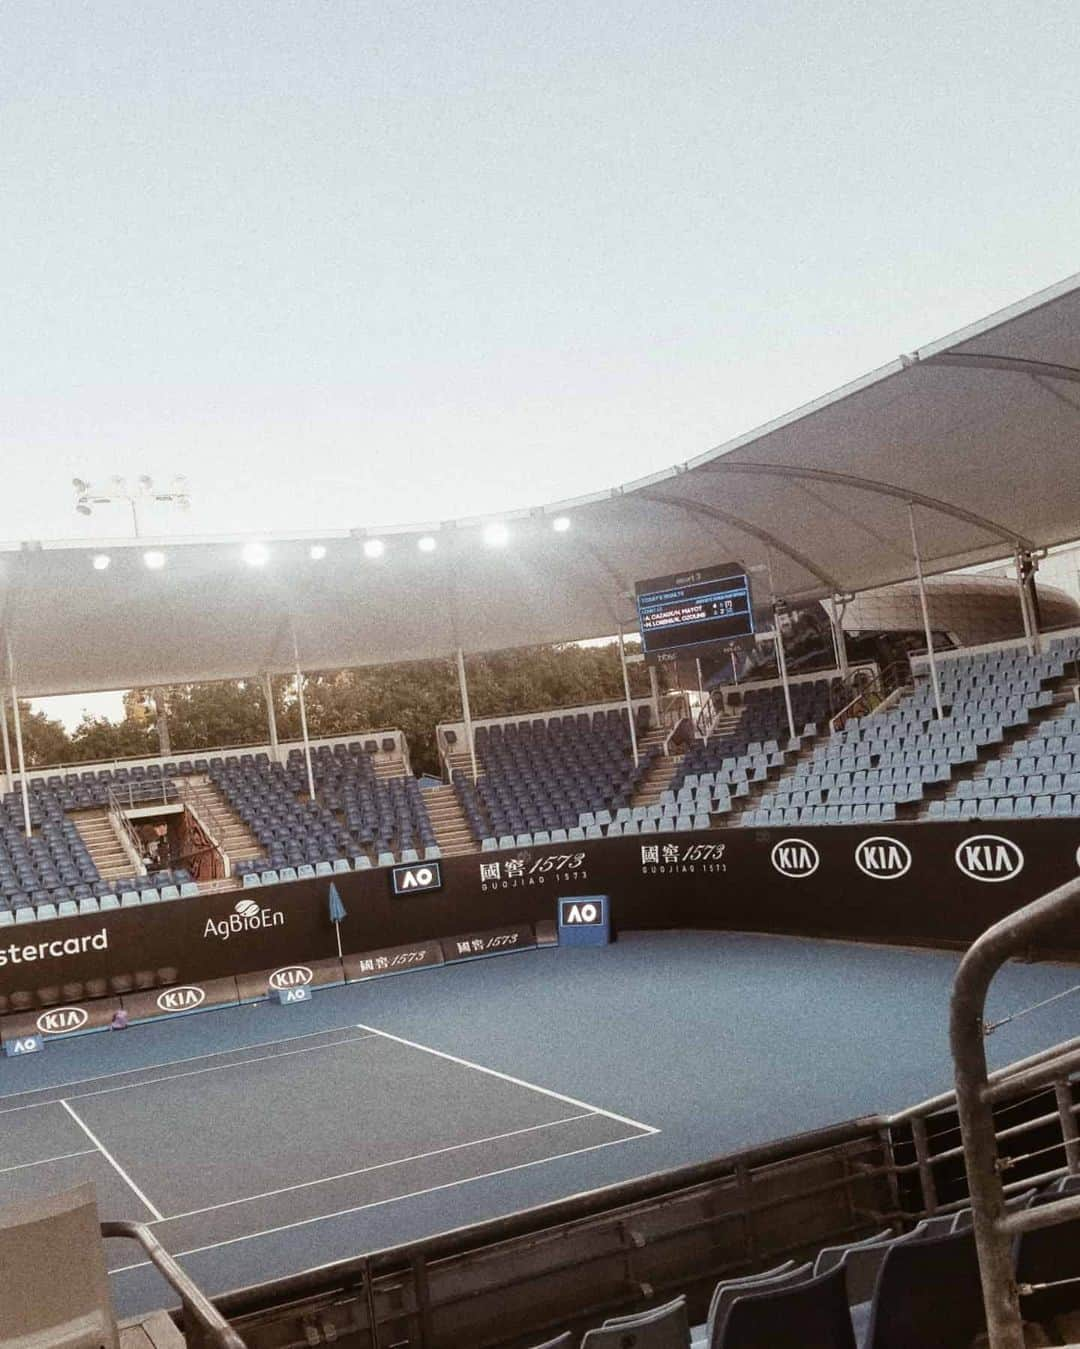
(555,778)
(889,759)
(356,814)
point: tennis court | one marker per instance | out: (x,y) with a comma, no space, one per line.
(214,1150)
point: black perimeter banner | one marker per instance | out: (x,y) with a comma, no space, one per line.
(915,884)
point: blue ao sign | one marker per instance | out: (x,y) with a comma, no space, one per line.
(584,921)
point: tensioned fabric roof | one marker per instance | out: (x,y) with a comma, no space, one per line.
(981,431)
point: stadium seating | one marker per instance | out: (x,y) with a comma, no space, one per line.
(917,1288)
(717,773)
(550,776)
(355,813)
(888,759)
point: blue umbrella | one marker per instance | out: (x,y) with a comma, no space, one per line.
(337,913)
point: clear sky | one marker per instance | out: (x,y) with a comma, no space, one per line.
(346,263)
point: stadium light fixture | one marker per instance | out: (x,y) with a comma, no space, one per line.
(317,552)
(426,543)
(496,535)
(256,554)
(154,559)
(561,524)
(101,561)
(374,548)
(116,492)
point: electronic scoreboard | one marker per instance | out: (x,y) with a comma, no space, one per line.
(694,609)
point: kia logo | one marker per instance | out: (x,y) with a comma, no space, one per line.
(291,976)
(181,999)
(885,859)
(62,1020)
(989,857)
(795,857)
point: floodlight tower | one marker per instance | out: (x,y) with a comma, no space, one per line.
(117,493)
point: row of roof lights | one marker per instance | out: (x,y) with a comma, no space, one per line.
(496,535)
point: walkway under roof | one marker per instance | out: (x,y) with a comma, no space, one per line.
(981,431)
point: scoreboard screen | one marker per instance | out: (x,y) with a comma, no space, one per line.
(696,608)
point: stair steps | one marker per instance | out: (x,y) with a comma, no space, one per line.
(96,830)
(452,830)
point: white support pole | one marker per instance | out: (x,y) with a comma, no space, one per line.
(839,641)
(466,713)
(654,693)
(701,701)
(22,761)
(781,661)
(303,720)
(1025,605)
(271,716)
(778,642)
(9,779)
(734,668)
(629,701)
(925,612)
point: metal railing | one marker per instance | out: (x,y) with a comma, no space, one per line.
(869,694)
(203,1325)
(126,835)
(202,805)
(977,1094)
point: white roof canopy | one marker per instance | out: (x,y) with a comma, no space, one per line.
(980,431)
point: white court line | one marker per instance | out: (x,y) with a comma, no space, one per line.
(44,1161)
(112,1161)
(393,1199)
(505,1077)
(378,1166)
(191,1072)
(169,1063)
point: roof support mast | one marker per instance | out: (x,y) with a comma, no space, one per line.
(466,713)
(9,779)
(303,719)
(779,607)
(629,701)
(925,611)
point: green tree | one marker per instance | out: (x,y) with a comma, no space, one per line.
(45,741)
(100,738)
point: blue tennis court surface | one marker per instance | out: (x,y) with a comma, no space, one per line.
(262,1140)
(254,1142)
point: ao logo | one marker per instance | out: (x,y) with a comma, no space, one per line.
(885,859)
(418,879)
(181,999)
(247,908)
(412,880)
(291,976)
(988,857)
(62,1020)
(582,913)
(795,857)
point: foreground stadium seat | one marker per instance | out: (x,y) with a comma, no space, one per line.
(811,1313)
(38,1238)
(664,1327)
(928,1294)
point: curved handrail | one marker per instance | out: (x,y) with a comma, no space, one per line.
(197,1306)
(994,1227)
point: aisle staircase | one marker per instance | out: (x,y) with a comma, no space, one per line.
(97,832)
(658,777)
(452,830)
(233,836)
